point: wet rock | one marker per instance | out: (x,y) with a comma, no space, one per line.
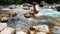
(32,12)
(56,31)
(44,3)
(27,15)
(21,32)
(4,19)
(57,27)
(31,8)
(37,7)
(56,22)
(8,30)
(39,15)
(34,31)
(26,8)
(2,26)
(26,4)
(41,33)
(42,28)
(3,15)
(45,6)
(13,14)
(12,6)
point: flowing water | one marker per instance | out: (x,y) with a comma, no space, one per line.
(21,23)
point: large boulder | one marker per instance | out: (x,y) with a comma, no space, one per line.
(8,30)
(42,28)
(2,26)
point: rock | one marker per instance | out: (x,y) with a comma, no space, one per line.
(12,6)
(32,12)
(39,15)
(49,7)
(42,28)
(4,19)
(13,14)
(56,22)
(32,32)
(2,26)
(26,8)
(31,8)
(21,32)
(56,31)
(27,15)
(43,3)
(5,9)
(57,27)
(53,6)
(41,33)
(37,7)
(45,6)
(8,30)
(3,15)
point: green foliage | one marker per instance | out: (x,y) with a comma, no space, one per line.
(4,2)
(58,8)
(11,1)
(18,1)
(29,1)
